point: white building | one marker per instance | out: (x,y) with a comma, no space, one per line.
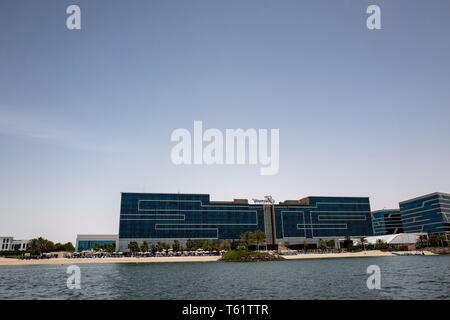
(399,239)
(8,243)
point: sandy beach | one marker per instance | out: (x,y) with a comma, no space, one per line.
(65,261)
(363,254)
(18,262)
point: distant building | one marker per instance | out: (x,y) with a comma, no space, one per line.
(8,244)
(429,213)
(87,242)
(387,221)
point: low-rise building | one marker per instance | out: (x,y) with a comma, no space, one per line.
(87,242)
(8,244)
(397,240)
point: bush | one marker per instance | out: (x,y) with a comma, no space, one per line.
(237,254)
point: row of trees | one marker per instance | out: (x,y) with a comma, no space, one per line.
(41,245)
(432,240)
(176,246)
(249,238)
(258,238)
(106,247)
(363,245)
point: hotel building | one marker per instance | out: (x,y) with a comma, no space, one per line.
(429,213)
(154,217)
(387,221)
(166,217)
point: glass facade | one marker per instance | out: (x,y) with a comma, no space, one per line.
(185,216)
(87,245)
(387,221)
(323,217)
(160,217)
(429,213)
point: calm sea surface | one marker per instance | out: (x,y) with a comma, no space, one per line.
(421,277)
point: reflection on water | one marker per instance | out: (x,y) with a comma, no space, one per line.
(424,277)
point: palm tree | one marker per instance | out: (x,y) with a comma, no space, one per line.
(421,241)
(41,245)
(259,237)
(330,243)
(305,245)
(225,245)
(286,244)
(133,246)
(207,245)
(189,244)
(144,246)
(176,245)
(348,243)
(440,239)
(160,246)
(380,244)
(322,244)
(33,245)
(363,240)
(246,239)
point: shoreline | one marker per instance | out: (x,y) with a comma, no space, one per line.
(362,254)
(67,261)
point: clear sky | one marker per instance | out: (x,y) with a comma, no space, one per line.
(87,114)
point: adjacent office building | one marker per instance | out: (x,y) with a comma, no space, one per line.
(87,242)
(429,213)
(154,217)
(8,244)
(387,221)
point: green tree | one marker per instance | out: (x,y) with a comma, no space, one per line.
(41,245)
(381,245)
(176,246)
(144,246)
(215,246)
(133,246)
(322,244)
(110,248)
(189,244)
(207,245)
(421,242)
(348,243)
(305,245)
(70,248)
(286,244)
(437,240)
(330,243)
(246,239)
(225,245)
(153,248)
(259,237)
(362,242)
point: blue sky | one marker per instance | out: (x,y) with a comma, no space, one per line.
(85,115)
